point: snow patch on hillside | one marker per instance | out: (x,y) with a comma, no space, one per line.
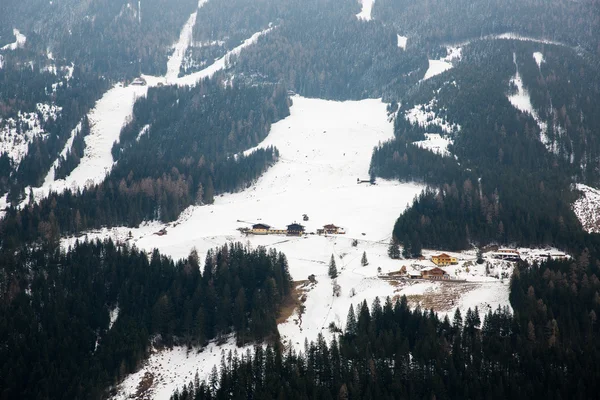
(19,42)
(113,314)
(435,143)
(522,102)
(107,118)
(587,208)
(516,36)
(180,48)
(539,58)
(402,40)
(170,369)
(437,67)
(365,12)
(425,115)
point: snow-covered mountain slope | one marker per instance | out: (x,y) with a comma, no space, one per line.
(587,208)
(112,112)
(324,147)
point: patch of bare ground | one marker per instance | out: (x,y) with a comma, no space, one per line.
(142,392)
(444,298)
(294,300)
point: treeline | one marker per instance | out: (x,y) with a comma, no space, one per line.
(190,152)
(56,336)
(501,184)
(547,350)
(575,24)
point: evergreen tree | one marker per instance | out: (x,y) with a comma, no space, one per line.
(363,261)
(394,249)
(332,272)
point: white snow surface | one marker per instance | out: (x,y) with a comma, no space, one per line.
(173,368)
(539,58)
(436,67)
(402,40)
(107,118)
(365,12)
(436,143)
(18,43)
(587,208)
(114,314)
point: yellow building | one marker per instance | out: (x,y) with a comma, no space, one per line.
(444,259)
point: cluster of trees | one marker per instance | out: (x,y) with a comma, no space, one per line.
(107,37)
(187,156)
(322,50)
(56,337)
(22,89)
(444,21)
(70,161)
(548,349)
(503,185)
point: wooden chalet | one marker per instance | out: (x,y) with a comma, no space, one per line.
(295,229)
(260,229)
(444,259)
(436,274)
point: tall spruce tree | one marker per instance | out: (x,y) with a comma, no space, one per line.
(333,273)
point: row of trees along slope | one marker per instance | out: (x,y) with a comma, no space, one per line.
(188,154)
(441,21)
(502,184)
(547,349)
(56,338)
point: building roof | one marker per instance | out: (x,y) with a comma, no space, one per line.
(330,226)
(295,226)
(436,269)
(443,255)
(261,226)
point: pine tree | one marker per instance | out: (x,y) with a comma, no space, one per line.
(351,322)
(394,249)
(332,268)
(363,261)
